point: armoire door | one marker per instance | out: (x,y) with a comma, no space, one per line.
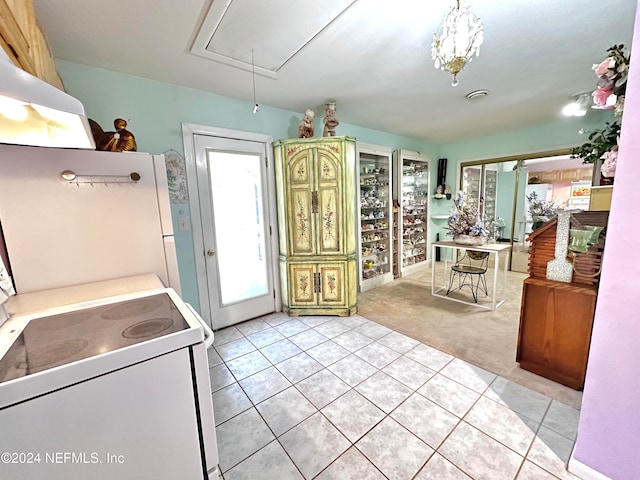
(329,203)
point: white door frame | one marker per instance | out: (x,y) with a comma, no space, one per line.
(188,132)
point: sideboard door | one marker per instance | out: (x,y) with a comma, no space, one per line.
(556,320)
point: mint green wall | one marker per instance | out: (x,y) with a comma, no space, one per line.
(155,112)
(561,134)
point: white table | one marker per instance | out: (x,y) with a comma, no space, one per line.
(448,257)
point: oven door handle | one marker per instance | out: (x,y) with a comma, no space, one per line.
(208,333)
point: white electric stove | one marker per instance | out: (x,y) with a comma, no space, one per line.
(114,387)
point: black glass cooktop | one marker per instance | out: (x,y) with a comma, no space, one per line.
(56,340)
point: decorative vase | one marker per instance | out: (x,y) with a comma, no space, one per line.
(471,240)
(537,222)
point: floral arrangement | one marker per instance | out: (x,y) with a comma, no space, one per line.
(465,220)
(609,94)
(541,210)
(608,168)
(612,80)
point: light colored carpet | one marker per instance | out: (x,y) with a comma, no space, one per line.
(484,338)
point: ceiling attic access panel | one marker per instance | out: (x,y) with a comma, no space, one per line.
(275,31)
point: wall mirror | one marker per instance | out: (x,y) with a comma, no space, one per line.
(499,188)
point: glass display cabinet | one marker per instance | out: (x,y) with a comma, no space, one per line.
(376,222)
(411,181)
(479,182)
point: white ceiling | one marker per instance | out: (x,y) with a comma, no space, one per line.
(374,59)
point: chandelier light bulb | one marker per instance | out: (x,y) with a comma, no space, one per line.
(459,40)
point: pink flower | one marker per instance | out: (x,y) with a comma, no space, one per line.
(608,168)
(604,66)
(602,97)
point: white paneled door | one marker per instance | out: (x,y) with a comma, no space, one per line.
(236,229)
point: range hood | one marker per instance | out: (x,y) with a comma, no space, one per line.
(32,112)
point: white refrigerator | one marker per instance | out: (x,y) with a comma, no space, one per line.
(71,217)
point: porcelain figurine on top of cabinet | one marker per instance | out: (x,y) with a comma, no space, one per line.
(121,140)
(330,120)
(305,128)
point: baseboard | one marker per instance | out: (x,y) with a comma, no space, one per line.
(583,471)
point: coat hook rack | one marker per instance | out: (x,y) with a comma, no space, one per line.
(71,177)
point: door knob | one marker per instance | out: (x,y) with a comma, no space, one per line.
(211,252)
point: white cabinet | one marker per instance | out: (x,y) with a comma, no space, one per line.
(411,182)
(375,232)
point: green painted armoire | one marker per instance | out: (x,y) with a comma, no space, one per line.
(316,181)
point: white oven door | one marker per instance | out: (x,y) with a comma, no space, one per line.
(204,399)
(205,410)
(143,421)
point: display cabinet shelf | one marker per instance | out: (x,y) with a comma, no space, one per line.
(374,194)
(411,182)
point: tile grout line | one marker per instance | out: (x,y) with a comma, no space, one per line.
(378,369)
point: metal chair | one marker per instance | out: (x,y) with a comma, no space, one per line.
(470,270)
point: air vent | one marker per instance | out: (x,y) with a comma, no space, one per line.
(476,95)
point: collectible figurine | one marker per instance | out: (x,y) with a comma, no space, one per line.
(122,140)
(330,120)
(305,129)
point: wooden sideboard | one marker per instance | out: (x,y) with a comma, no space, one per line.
(556,319)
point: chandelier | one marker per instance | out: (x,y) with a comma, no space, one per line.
(460,37)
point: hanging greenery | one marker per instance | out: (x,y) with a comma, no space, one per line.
(600,143)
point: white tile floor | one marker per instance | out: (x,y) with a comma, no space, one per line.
(336,398)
